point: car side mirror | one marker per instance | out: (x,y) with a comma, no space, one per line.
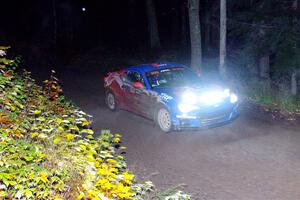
(138,85)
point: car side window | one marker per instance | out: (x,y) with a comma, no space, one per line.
(133,76)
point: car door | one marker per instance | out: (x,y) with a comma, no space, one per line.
(138,98)
(145,102)
(129,91)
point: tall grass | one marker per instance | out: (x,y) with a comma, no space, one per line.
(277,96)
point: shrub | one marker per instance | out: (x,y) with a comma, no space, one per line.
(277,97)
(47,149)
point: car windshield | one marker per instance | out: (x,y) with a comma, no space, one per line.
(172,77)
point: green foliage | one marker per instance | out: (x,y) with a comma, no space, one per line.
(277,99)
(47,148)
(268,28)
(171,194)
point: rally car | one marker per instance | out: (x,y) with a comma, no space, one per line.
(172,95)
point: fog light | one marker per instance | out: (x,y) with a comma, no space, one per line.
(233,98)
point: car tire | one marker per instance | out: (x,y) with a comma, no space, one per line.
(163,119)
(111,101)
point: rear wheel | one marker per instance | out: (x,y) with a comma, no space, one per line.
(163,119)
(111,101)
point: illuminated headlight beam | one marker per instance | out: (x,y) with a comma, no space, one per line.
(233,98)
(189,98)
(211,97)
(185,108)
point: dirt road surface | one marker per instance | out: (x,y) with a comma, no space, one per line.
(251,158)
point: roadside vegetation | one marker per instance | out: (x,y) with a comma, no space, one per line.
(47,147)
(274,100)
(265,51)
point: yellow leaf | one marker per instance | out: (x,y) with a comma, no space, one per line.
(80,196)
(85,123)
(104,184)
(4,47)
(88,131)
(82,147)
(117,140)
(123,191)
(37,112)
(61,129)
(57,198)
(12,108)
(127,178)
(43,177)
(70,136)
(34,134)
(118,135)
(59,121)
(43,174)
(112,161)
(56,140)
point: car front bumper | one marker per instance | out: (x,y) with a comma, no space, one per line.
(205,119)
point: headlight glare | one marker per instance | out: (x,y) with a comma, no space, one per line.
(189,98)
(211,97)
(226,92)
(185,108)
(233,98)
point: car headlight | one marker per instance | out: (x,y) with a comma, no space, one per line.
(212,97)
(233,98)
(185,108)
(226,93)
(189,98)
(191,101)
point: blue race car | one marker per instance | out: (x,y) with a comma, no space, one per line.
(172,95)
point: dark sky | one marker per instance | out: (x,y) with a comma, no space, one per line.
(107,22)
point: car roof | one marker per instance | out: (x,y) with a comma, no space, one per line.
(155,66)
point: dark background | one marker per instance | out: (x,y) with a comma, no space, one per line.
(255,29)
(113,23)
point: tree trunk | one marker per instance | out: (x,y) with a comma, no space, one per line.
(294,84)
(295,73)
(54,22)
(207,27)
(222,66)
(183,14)
(131,21)
(152,25)
(295,4)
(264,67)
(264,71)
(195,34)
(175,22)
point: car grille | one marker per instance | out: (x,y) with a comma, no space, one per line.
(214,117)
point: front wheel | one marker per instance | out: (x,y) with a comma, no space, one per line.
(163,119)
(111,101)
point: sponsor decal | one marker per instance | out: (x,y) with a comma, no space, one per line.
(165,96)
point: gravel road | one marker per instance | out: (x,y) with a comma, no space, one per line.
(251,158)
